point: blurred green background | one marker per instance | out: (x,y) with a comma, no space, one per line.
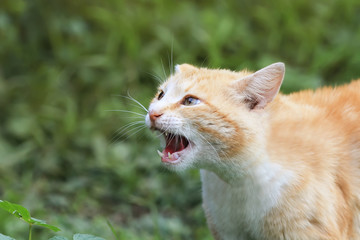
(62,63)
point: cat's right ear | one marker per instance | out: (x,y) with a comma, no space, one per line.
(260,88)
(185,68)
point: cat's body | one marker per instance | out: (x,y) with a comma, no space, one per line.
(313,146)
(272,168)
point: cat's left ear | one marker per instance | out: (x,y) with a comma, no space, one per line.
(185,68)
(260,88)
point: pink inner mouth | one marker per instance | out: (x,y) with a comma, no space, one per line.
(174,145)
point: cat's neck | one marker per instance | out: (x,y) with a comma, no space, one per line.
(257,189)
(256,170)
(255,163)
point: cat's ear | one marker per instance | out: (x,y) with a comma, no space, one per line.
(261,87)
(185,68)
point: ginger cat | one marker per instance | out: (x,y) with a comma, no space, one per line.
(272,166)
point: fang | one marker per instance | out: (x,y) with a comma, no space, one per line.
(160,153)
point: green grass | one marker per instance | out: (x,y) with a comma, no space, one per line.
(63,62)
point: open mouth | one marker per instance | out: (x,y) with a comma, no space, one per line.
(176,145)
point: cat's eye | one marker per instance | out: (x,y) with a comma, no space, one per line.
(190,101)
(161,95)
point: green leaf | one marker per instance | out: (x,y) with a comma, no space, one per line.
(79,236)
(57,238)
(16,210)
(22,213)
(42,223)
(3,237)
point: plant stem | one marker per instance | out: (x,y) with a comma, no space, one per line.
(30,231)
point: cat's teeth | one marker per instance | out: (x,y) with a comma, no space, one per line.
(166,134)
(160,153)
(169,155)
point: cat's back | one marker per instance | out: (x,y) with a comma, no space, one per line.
(335,101)
(327,118)
(337,108)
(317,134)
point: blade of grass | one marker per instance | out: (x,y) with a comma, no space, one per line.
(117,237)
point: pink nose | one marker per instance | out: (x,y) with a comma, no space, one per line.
(153,116)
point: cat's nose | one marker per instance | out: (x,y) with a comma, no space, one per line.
(153,116)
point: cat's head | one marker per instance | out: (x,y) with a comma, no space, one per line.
(207,116)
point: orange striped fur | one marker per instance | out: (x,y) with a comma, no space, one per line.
(273,166)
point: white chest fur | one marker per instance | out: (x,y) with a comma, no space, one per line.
(237,210)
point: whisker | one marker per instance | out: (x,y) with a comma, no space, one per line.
(162,64)
(126,111)
(132,117)
(206,141)
(203,62)
(134,127)
(172,57)
(213,148)
(176,141)
(169,63)
(128,132)
(129,125)
(138,130)
(156,77)
(172,137)
(138,104)
(185,135)
(119,133)
(162,132)
(136,101)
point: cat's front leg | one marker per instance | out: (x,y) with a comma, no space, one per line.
(210,224)
(216,234)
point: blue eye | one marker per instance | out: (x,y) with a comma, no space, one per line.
(190,101)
